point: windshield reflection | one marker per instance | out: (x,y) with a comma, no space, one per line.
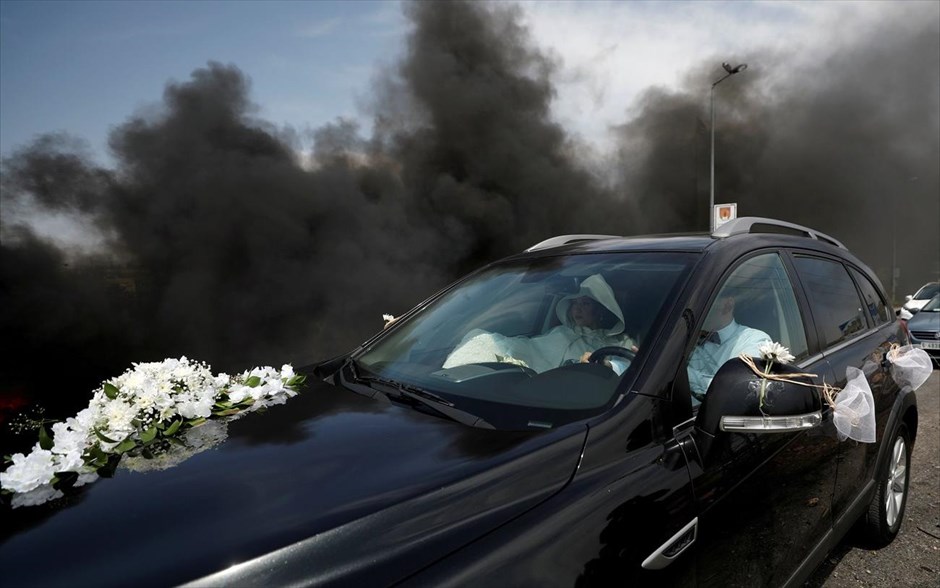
(518,343)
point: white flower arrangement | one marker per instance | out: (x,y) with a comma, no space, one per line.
(773,351)
(193,441)
(135,414)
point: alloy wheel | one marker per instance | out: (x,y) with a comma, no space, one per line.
(897,482)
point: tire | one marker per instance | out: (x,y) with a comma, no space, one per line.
(881,523)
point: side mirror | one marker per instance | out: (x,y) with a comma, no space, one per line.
(732,402)
(909,297)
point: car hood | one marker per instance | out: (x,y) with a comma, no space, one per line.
(924,321)
(347,483)
(916,304)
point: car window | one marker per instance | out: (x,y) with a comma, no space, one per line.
(933,305)
(877,309)
(927,291)
(507,343)
(754,305)
(836,307)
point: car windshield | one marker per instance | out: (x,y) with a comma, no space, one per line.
(508,344)
(928,291)
(933,305)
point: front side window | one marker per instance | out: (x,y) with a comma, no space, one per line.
(754,305)
(838,311)
(511,343)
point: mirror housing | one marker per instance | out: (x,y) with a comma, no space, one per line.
(732,402)
(909,297)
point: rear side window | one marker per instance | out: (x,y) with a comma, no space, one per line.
(877,309)
(834,300)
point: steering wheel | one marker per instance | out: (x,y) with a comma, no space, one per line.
(600,354)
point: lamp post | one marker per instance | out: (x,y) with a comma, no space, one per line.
(711,193)
(894,250)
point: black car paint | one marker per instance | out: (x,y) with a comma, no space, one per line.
(336,488)
(361,475)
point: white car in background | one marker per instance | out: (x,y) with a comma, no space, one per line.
(918,300)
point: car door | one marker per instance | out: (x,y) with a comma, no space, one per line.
(853,329)
(764,499)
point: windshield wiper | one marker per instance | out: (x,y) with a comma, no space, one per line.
(415,395)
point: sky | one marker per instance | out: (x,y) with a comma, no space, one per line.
(84,67)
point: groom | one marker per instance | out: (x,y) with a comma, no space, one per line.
(722,339)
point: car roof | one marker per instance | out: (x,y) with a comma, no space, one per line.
(734,238)
(752,230)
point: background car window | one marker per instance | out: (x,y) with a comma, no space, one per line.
(834,300)
(759,297)
(877,308)
(927,291)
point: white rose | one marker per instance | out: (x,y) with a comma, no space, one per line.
(29,471)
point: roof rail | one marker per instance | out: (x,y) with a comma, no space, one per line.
(566,239)
(754,224)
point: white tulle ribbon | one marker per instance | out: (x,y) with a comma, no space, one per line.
(854,408)
(910,366)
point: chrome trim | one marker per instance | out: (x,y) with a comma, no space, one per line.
(657,561)
(771,424)
(848,342)
(806,362)
(565,239)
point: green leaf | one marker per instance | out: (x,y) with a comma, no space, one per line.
(125,446)
(45,441)
(102,436)
(148,435)
(253,381)
(111,391)
(296,381)
(107,470)
(97,452)
(172,429)
(223,405)
(64,480)
(8,459)
(227,412)
(195,422)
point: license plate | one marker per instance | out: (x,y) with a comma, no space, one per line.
(930,345)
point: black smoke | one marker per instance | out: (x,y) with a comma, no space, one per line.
(847,144)
(223,242)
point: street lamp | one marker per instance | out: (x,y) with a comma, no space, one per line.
(711,208)
(894,250)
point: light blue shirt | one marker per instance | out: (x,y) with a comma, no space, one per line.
(708,357)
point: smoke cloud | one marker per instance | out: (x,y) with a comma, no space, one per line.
(222,243)
(847,144)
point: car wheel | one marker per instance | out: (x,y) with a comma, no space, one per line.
(879,526)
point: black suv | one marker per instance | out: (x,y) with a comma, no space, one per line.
(563,417)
